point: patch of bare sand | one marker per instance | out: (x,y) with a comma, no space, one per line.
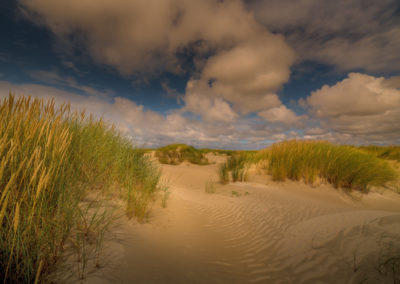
(266,232)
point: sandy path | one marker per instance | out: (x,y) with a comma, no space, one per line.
(277,233)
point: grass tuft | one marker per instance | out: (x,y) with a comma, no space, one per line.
(343,166)
(236,165)
(49,158)
(223,173)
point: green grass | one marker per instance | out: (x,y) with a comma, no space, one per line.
(49,159)
(342,166)
(236,164)
(175,154)
(235,168)
(223,173)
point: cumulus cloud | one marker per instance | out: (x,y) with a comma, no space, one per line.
(212,110)
(241,102)
(347,34)
(201,99)
(363,108)
(253,67)
(248,74)
(280,114)
(245,62)
(357,95)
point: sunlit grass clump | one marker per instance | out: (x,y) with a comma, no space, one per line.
(342,166)
(175,154)
(235,168)
(49,158)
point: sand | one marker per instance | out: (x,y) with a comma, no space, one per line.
(272,232)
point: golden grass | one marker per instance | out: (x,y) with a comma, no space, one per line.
(346,167)
(343,166)
(49,158)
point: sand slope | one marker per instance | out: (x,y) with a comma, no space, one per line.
(275,233)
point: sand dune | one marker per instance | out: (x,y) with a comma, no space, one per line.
(272,233)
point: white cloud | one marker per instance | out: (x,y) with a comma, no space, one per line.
(248,74)
(357,95)
(201,99)
(220,111)
(280,114)
(363,108)
(255,67)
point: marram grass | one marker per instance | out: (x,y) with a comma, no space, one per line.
(49,158)
(235,167)
(175,154)
(343,166)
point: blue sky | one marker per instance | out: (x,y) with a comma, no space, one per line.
(222,74)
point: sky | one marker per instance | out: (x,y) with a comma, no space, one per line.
(212,73)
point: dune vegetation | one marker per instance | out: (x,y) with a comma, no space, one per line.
(383,152)
(235,167)
(50,158)
(343,166)
(346,167)
(175,154)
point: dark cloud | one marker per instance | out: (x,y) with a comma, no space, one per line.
(359,34)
